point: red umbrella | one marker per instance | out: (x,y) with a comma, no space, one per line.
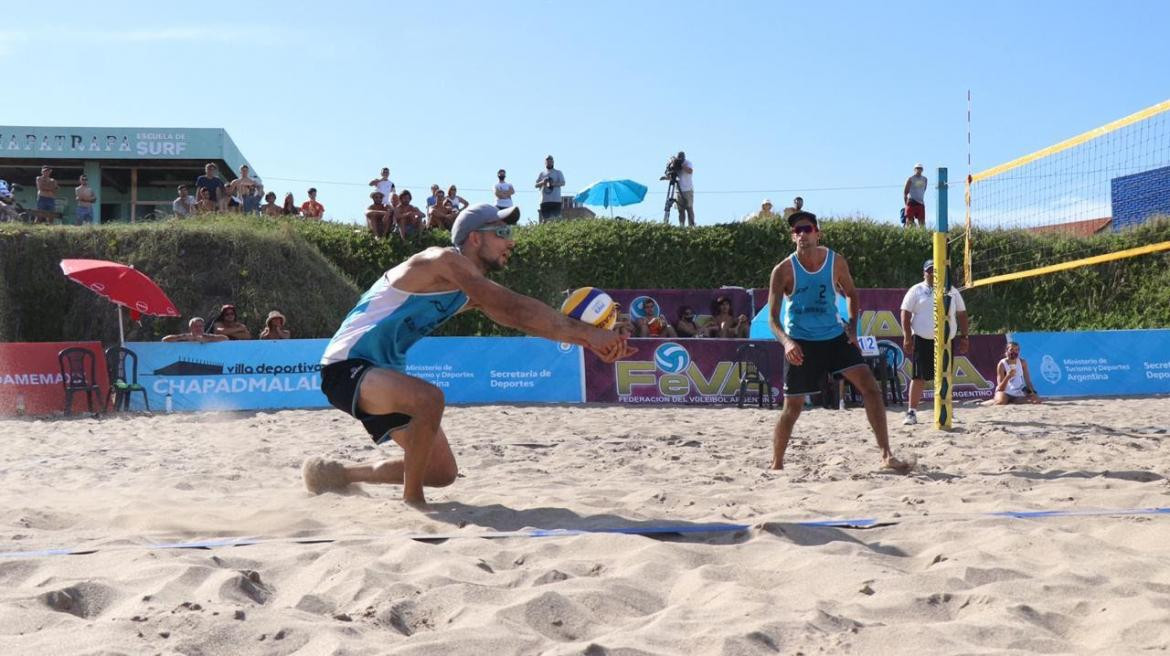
(122,284)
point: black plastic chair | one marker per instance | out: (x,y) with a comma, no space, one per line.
(79,374)
(122,365)
(751,363)
(885,369)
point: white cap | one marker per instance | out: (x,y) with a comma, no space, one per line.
(767,201)
(919,166)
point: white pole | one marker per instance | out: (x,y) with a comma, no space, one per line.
(121,335)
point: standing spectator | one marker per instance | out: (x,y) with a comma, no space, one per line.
(243,190)
(440,215)
(227,325)
(914,193)
(685,196)
(184,205)
(918,333)
(433,198)
(274,327)
(686,326)
(195,334)
(457,203)
(378,216)
(203,202)
(47,192)
(797,206)
(549,182)
(384,185)
(85,199)
(311,209)
(504,191)
(765,212)
(270,208)
(290,206)
(216,191)
(408,219)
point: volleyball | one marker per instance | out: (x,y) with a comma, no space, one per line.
(591,305)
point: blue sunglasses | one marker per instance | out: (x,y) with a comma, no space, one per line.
(503,232)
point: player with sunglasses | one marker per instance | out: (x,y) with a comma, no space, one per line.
(364,372)
(815,341)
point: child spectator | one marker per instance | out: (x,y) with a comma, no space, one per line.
(274,327)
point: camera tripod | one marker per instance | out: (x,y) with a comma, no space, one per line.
(670,199)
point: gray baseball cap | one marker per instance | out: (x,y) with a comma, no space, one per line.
(474,217)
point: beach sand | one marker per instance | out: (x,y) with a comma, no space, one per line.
(938,575)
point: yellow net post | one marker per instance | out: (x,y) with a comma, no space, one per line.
(943,364)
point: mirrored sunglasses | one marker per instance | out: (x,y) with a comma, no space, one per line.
(503,232)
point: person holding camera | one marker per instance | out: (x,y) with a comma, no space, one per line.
(549,182)
(685,191)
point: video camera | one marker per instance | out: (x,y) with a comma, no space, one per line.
(674,166)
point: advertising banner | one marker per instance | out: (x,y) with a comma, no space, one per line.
(30,378)
(112,143)
(1101,363)
(270,374)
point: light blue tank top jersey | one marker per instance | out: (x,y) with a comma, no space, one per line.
(387,321)
(812,305)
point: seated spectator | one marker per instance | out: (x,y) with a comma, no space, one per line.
(227,325)
(456,201)
(651,323)
(378,216)
(290,206)
(408,219)
(440,215)
(203,202)
(765,212)
(195,334)
(432,197)
(1013,381)
(311,209)
(723,323)
(184,205)
(797,206)
(274,327)
(270,208)
(686,326)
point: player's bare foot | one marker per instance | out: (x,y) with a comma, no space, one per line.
(776,465)
(322,476)
(892,463)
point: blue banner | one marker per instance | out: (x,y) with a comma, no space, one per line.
(273,374)
(1104,363)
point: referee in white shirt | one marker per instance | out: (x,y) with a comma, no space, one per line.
(918,333)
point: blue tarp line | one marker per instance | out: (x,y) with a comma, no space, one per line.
(857,523)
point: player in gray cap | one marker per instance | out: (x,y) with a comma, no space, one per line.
(364,365)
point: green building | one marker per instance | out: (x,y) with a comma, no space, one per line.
(135,172)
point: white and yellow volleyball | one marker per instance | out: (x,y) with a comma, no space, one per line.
(591,305)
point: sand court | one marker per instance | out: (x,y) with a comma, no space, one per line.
(936,572)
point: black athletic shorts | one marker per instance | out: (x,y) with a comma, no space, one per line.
(340,381)
(821,358)
(924,359)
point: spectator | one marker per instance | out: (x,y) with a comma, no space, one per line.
(504,191)
(685,196)
(1013,382)
(918,333)
(384,185)
(184,205)
(274,327)
(686,326)
(797,206)
(433,198)
(378,216)
(270,208)
(7,202)
(440,215)
(765,212)
(203,202)
(456,201)
(311,209)
(216,191)
(47,191)
(652,323)
(408,219)
(243,189)
(195,334)
(724,323)
(914,193)
(549,182)
(227,325)
(290,206)
(85,199)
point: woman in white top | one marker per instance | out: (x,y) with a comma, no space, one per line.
(1013,383)
(456,201)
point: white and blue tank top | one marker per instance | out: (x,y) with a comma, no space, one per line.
(812,305)
(387,321)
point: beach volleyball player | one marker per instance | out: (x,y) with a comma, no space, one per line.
(815,342)
(364,364)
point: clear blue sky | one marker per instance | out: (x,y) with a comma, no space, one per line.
(828,100)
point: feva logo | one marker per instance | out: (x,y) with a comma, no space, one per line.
(674,373)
